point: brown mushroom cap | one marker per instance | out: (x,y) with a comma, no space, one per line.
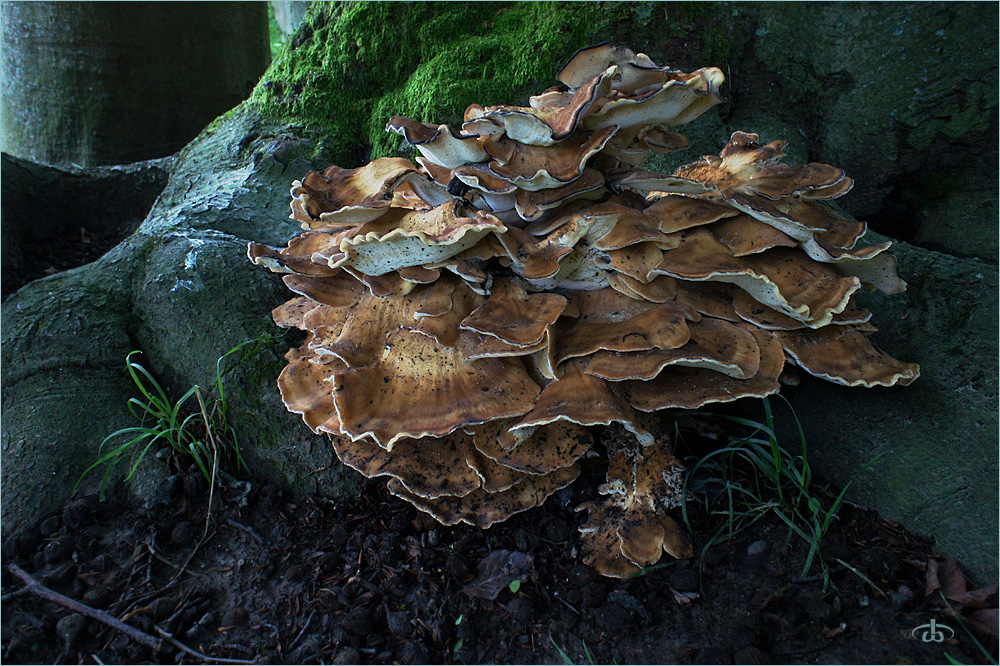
(439,143)
(744,235)
(545,125)
(630,529)
(292,313)
(536,167)
(481,508)
(306,389)
(300,255)
(445,304)
(714,344)
(662,289)
(549,447)
(581,399)
(781,278)
(378,400)
(686,388)
(675,212)
(336,290)
(347,197)
(426,467)
(515,316)
(657,326)
(531,205)
(673,102)
(632,226)
(760,315)
(589,62)
(402,238)
(661,140)
(842,354)
(645,182)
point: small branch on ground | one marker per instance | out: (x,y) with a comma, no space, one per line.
(155,644)
(45,593)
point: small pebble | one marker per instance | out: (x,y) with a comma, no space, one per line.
(69,628)
(399,624)
(558,530)
(75,512)
(59,549)
(59,574)
(183,533)
(758,547)
(358,621)
(99,597)
(237,616)
(458,567)
(192,484)
(901,597)
(49,526)
(684,579)
(347,655)
(415,653)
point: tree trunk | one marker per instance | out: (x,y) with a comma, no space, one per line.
(98,83)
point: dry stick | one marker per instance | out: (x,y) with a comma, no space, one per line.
(137,635)
(45,593)
(249,530)
(215,458)
(295,641)
(194,653)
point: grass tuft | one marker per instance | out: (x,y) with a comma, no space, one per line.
(199,431)
(754,476)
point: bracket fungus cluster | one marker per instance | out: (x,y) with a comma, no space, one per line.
(525,296)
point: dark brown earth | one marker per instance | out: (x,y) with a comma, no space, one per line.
(263,576)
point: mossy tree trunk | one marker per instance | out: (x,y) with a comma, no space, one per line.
(96,83)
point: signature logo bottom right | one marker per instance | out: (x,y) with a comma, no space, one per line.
(933,632)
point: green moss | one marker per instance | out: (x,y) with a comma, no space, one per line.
(357,64)
(274,32)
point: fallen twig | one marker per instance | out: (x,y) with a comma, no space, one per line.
(16,593)
(99,615)
(295,641)
(156,644)
(194,653)
(248,530)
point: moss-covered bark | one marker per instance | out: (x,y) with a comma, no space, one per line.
(353,65)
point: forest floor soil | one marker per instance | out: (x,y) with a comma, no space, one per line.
(250,574)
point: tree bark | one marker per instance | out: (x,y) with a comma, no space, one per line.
(98,83)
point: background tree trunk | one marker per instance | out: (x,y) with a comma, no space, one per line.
(98,83)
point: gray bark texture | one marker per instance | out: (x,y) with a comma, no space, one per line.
(903,96)
(96,83)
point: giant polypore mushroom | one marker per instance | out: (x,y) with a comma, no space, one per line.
(525,296)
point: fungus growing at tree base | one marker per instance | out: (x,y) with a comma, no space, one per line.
(525,296)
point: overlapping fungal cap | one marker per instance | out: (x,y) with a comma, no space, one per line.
(526,296)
